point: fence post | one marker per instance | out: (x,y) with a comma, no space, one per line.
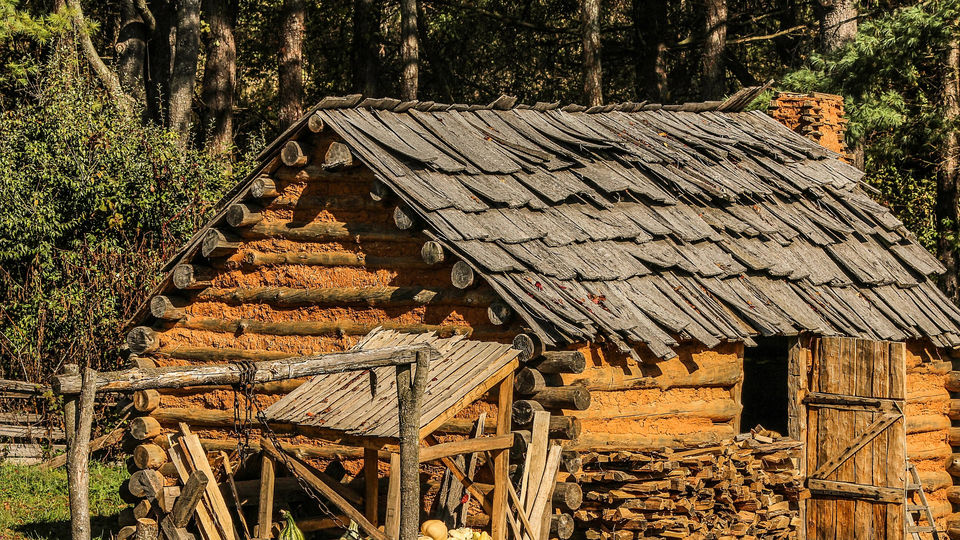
(79,422)
(410,397)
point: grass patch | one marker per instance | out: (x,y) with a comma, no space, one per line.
(34,503)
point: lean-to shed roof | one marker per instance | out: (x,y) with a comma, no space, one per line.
(651,224)
(364,403)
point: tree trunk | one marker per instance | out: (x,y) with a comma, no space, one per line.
(366,44)
(107,77)
(219,76)
(592,73)
(409,49)
(838,23)
(132,49)
(184,75)
(948,175)
(160,51)
(712,86)
(290,62)
(650,25)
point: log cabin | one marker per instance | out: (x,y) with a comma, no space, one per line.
(732,337)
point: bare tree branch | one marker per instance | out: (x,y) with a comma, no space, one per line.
(105,74)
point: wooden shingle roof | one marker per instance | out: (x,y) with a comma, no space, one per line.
(642,223)
(364,403)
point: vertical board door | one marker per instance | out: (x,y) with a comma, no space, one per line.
(855,439)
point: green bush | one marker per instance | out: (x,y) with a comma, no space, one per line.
(93,200)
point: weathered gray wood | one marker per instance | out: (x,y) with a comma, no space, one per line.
(147,529)
(567,495)
(499,313)
(146,400)
(217,243)
(337,156)
(379,191)
(560,362)
(404,218)
(78,475)
(189,498)
(142,339)
(241,215)
(295,154)
(523,410)
(266,371)
(172,532)
(315,123)
(167,308)
(561,526)
(462,275)
(531,381)
(143,427)
(563,397)
(228,474)
(410,387)
(146,483)
(263,188)
(432,252)
(530,346)
(192,276)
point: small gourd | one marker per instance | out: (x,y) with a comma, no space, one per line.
(290,530)
(434,528)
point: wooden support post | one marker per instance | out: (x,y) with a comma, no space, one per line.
(501,461)
(228,473)
(410,389)
(78,475)
(190,495)
(391,520)
(265,512)
(371,477)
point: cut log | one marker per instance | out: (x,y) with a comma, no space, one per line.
(324,231)
(144,427)
(934,480)
(499,313)
(952,381)
(560,362)
(567,495)
(172,532)
(530,381)
(561,427)
(167,308)
(147,529)
(142,339)
(142,508)
(640,442)
(315,123)
(126,532)
(295,154)
(256,258)
(337,296)
(462,276)
(263,188)
(146,400)
(953,465)
(314,328)
(613,378)
(571,462)
(191,276)
(718,410)
(432,252)
(217,243)
(561,526)
(521,442)
(242,215)
(219,374)
(530,346)
(149,456)
(954,410)
(379,191)
(563,397)
(189,498)
(404,218)
(145,483)
(523,410)
(923,423)
(337,156)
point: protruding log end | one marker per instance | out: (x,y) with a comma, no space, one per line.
(142,339)
(462,275)
(216,243)
(529,381)
(149,456)
(521,441)
(337,156)
(567,495)
(530,346)
(263,188)
(564,397)
(571,461)
(242,215)
(953,465)
(432,252)
(167,308)
(523,410)
(142,428)
(191,276)
(561,362)
(315,123)
(499,313)
(294,154)
(379,191)
(146,400)
(561,526)
(404,217)
(146,483)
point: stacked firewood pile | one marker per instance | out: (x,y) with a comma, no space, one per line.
(747,487)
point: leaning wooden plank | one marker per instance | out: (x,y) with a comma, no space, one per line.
(189,499)
(539,438)
(219,374)
(472,462)
(391,518)
(543,493)
(100,442)
(191,444)
(303,472)
(466,446)
(204,522)
(228,472)
(268,468)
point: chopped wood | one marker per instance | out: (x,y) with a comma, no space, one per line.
(560,362)
(462,275)
(192,276)
(563,397)
(146,400)
(217,243)
(242,215)
(263,188)
(144,427)
(140,340)
(167,308)
(149,456)
(432,252)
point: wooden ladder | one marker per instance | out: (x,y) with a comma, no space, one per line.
(915,489)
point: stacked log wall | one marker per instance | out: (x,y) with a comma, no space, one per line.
(691,399)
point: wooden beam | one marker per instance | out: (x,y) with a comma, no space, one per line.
(501,460)
(78,475)
(466,446)
(330,494)
(271,370)
(391,518)
(189,498)
(471,396)
(855,491)
(371,483)
(410,388)
(268,475)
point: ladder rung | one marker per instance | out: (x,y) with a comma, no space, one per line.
(913,487)
(920,528)
(915,508)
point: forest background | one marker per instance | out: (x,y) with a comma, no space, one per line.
(122,122)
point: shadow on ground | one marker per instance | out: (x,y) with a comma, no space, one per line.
(100,527)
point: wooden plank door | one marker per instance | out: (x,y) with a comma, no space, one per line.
(855,439)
